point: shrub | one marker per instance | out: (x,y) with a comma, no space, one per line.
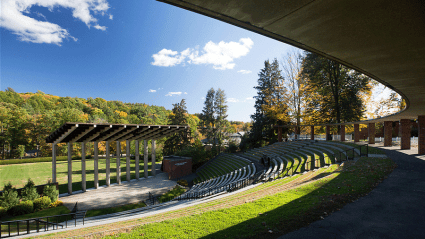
(2,211)
(9,197)
(42,203)
(183,183)
(29,192)
(56,204)
(24,207)
(51,192)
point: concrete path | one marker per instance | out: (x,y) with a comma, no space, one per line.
(394,209)
(115,195)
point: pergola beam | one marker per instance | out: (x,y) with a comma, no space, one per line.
(123,134)
(82,134)
(66,134)
(107,136)
(98,133)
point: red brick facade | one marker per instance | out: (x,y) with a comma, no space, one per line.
(371,132)
(312,132)
(356,133)
(421,134)
(405,133)
(388,133)
(342,133)
(176,166)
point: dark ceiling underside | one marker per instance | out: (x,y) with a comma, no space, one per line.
(383,39)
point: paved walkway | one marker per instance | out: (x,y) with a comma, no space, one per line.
(394,209)
(115,195)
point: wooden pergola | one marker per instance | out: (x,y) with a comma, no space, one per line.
(89,132)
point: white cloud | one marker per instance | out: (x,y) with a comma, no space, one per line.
(152,91)
(103,28)
(173,93)
(220,55)
(111,16)
(31,30)
(250,98)
(244,71)
(41,15)
(185,93)
(232,100)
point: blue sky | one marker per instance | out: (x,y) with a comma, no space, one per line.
(132,51)
(116,62)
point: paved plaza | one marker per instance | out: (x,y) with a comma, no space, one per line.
(116,195)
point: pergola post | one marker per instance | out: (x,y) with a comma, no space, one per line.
(83,167)
(127,161)
(96,164)
(328,130)
(279,134)
(371,132)
(69,168)
(312,132)
(388,133)
(108,164)
(356,133)
(54,146)
(137,160)
(118,162)
(342,133)
(153,158)
(421,134)
(145,158)
(405,133)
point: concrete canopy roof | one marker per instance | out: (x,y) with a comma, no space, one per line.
(89,132)
(382,39)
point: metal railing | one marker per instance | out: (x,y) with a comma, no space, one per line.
(33,225)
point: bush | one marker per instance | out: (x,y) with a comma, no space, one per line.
(233,147)
(51,192)
(42,203)
(56,204)
(183,183)
(24,207)
(29,192)
(2,211)
(9,197)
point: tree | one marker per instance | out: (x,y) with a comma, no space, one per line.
(334,90)
(220,109)
(271,107)
(21,150)
(295,83)
(180,139)
(207,117)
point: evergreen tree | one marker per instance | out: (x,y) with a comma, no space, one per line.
(220,108)
(271,107)
(180,139)
(208,117)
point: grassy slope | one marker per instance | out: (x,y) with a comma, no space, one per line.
(271,206)
(18,174)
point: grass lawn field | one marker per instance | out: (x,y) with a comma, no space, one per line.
(18,174)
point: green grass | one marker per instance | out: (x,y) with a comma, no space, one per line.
(18,174)
(175,192)
(281,212)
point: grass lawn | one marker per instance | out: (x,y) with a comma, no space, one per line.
(371,150)
(18,174)
(253,213)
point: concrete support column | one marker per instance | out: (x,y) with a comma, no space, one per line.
(342,133)
(405,133)
(137,159)
(328,131)
(118,162)
(356,133)
(69,168)
(83,167)
(371,132)
(312,132)
(153,158)
(54,146)
(127,160)
(96,164)
(108,164)
(145,158)
(421,134)
(388,133)
(279,134)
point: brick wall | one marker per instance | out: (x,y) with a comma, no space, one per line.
(177,168)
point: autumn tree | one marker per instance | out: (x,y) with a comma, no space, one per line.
(334,90)
(295,83)
(271,107)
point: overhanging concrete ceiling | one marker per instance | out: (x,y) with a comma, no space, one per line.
(383,39)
